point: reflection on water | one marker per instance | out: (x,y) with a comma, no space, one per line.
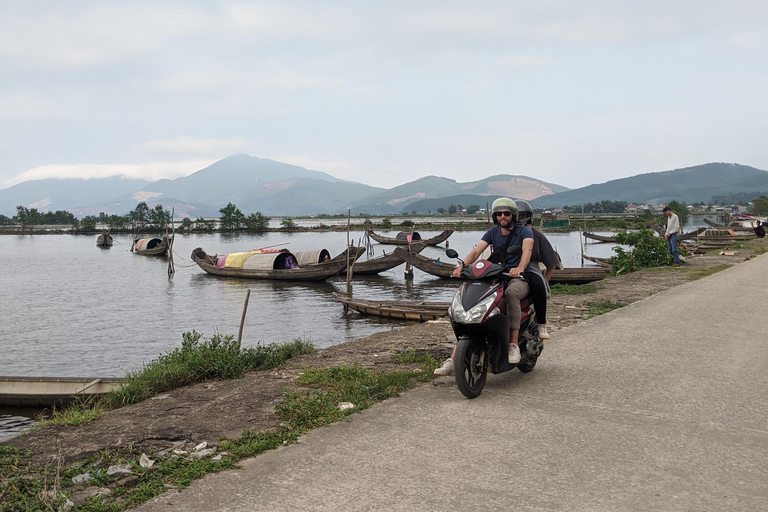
(15,421)
(70,308)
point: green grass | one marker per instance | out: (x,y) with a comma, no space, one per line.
(298,412)
(573,289)
(197,360)
(698,273)
(599,308)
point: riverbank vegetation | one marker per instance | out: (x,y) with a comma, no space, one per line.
(198,360)
(117,479)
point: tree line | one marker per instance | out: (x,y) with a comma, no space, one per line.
(141,219)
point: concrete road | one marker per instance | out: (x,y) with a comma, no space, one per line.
(660,405)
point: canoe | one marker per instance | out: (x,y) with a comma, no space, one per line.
(384,262)
(402,238)
(401,310)
(269,266)
(152,246)
(431,266)
(603,262)
(658,229)
(559,276)
(104,240)
(50,391)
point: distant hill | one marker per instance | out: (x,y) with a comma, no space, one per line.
(417,194)
(52,194)
(690,185)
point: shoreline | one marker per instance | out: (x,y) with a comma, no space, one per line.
(192,415)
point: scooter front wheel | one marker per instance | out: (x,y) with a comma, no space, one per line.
(471,366)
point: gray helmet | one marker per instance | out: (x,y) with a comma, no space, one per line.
(504,204)
(525,215)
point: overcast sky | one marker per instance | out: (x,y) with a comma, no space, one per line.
(572,93)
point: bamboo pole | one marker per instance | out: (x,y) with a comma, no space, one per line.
(242,320)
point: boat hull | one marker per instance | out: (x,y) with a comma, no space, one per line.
(50,391)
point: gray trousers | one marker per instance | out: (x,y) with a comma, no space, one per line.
(517,289)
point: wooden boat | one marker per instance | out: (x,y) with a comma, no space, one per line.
(401,310)
(50,391)
(576,275)
(104,240)
(659,229)
(268,265)
(384,262)
(431,266)
(603,262)
(402,238)
(559,276)
(153,246)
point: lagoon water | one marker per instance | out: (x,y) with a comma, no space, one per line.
(70,308)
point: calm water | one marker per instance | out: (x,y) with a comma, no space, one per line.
(70,308)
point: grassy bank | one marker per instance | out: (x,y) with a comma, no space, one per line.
(329,395)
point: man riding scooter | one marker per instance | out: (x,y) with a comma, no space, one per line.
(506,233)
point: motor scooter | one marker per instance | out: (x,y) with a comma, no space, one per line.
(478,316)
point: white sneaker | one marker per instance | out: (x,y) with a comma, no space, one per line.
(514,354)
(446,369)
(543,334)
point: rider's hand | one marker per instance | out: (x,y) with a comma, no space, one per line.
(457,270)
(515,272)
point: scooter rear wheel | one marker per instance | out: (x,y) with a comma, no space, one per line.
(471,366)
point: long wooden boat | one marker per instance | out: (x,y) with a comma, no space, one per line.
(384,262)
(269,266)
(104,240)
(442,269)
(660,230)
(402,238)
(50,391)
(401,310)
(152,246)
(431,266)
(603,262)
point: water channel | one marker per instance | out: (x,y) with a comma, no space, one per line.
(70,308)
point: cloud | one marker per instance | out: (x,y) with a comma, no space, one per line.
(151,171)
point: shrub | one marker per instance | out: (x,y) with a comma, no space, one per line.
(647,250)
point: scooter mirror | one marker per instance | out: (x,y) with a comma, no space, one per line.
(451,253)
(515,250)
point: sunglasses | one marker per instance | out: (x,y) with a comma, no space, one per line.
(503,214)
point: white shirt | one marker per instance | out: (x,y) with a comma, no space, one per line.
(673,225)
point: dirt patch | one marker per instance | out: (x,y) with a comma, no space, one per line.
(211,410)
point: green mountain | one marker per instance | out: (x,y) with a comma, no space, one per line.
(689,185)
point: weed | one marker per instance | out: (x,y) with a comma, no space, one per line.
(704,272)
(599,308)
(573,289)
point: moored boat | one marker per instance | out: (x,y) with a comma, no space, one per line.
(260,264)
(50,391)
(384,262)
(442,269)
(104,240)
(401,310)
(152,246)
(603,262)
(403,238)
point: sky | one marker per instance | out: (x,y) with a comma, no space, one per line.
(382,93)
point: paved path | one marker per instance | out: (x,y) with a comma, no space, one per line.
(660,405)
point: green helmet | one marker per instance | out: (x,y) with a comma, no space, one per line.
(504,204)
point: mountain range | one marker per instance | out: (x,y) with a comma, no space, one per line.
(275,188)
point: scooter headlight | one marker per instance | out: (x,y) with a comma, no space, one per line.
(476,313)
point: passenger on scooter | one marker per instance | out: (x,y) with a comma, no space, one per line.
(538,281)
(507,233)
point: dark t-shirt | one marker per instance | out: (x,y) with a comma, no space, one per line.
(495,239)
(759,231)
(542,250)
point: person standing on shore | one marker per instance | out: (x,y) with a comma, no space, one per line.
(673,230)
